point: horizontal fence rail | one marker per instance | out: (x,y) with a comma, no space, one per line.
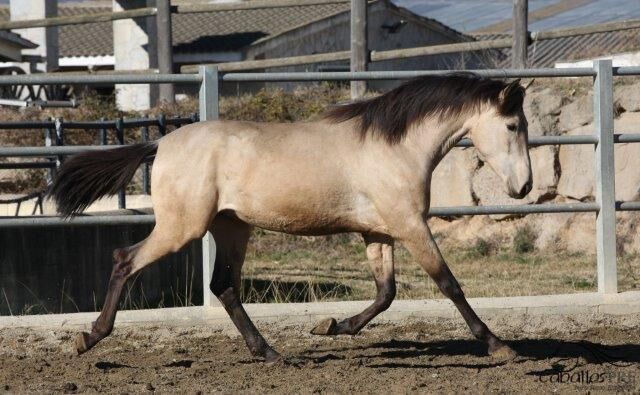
(250,5)
(403,53)
(143,78)
(534,141)
(78,19)
(89,79)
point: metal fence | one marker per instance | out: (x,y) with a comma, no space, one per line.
(209,78)
(54,136)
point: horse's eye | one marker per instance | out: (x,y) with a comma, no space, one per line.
(512,127)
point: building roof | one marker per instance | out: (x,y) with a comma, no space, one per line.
(491,19)
(17,40)
(205,32)
(191,32)
(494,16)
(548,52)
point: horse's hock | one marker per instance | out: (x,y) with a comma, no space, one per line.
(561,174)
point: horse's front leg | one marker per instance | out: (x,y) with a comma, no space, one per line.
(380,256)
(420,243)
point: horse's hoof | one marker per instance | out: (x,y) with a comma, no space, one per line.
(503,354)
(325,327)
(271,357)
(82,343)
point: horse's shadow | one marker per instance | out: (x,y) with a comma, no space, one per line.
(394,353)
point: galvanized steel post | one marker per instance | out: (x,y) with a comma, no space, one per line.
(208,100)
(122,196)
(605,177)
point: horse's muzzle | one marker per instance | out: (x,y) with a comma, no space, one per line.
(524,191)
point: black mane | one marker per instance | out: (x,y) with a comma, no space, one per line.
(391,115)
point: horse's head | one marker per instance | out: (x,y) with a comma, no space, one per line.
(499,133)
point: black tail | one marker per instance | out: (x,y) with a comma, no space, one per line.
(86,177)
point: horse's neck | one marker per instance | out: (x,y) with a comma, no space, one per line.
(434,139)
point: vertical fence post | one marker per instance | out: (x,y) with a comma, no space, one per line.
(122,199)
(162,124)
(146,188)
(165,48)
(208,100)
(520,34)
(48,142)
(59,138)
(605,177)
(103,132)
(359,47)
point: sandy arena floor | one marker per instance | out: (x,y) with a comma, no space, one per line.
(555,354)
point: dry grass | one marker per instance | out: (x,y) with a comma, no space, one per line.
(337,265)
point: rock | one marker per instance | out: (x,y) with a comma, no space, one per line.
(577,167)
(627,159)
(70,388)
(548,102)
(627,227)
(546,125)
(545,171)
(541,109)
(576,114)
(628,97)
(577,164)
(490,190)
(451,180)
(579,233)
(549,228)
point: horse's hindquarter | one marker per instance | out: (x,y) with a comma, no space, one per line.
(294,178)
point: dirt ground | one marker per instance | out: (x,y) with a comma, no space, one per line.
(583,354)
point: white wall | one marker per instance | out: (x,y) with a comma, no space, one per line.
(46,38)
(130,50)
(618,60)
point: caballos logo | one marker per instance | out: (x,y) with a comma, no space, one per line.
(590,377)
(610,370)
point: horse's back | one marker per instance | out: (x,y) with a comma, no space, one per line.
(287,177)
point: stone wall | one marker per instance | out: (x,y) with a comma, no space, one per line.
(564,174)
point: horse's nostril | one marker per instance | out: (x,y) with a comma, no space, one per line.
(526,188)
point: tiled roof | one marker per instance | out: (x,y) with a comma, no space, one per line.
(204,32)
(191,32)
(546,53)
(478,15)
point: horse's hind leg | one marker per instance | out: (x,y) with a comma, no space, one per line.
(380,256)
(126,262)
(231,236)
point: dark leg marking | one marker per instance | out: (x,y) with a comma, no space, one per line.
(103,326)
(231,236)
(380,256)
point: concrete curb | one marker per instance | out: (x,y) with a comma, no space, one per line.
(624,303)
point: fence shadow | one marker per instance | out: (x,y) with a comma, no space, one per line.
(562,355)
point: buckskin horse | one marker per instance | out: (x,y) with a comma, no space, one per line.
(364,167)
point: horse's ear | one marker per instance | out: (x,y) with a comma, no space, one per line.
(511,97)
